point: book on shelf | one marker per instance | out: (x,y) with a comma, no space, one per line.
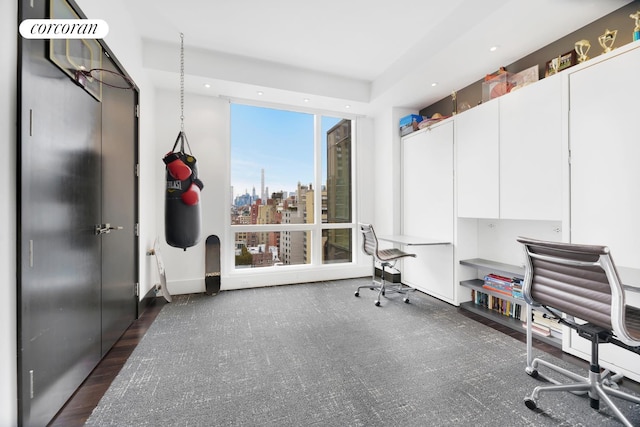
(544,324)
(538,329)
(510,286)
(498,282)
(497,290)
(516,288)
(555,334)
(499,305)
(546,320)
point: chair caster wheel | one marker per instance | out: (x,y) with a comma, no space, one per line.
(612,385)
(370,289)
(530,403)
(357,294)
(383,292)
(377,303)
(406,300)
(533,373)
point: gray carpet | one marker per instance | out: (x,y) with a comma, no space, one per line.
(315,355)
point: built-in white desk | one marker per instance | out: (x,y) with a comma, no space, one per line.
(430,271)
(412,240)
(630,278)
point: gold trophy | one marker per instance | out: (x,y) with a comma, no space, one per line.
(582,48)
(607,40)
(555,65)
(454,98)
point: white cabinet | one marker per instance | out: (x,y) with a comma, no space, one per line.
(509,155)
(427,208)
(477,160)
(605,198)
(605,151)
(427,184)
(531,152)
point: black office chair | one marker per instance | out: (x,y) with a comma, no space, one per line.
(570,281)
(386,258)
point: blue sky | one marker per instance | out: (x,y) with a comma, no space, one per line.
(279,141)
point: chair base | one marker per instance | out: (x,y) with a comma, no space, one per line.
(599,386)
(593,385)
(383,288)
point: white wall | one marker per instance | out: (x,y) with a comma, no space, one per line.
(148,184)
(366,194)
(8,302)
(207,127)
(387,163)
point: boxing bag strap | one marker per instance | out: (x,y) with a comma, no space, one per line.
(182,138)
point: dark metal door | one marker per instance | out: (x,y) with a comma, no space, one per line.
(60,255)
(119,194)
(76,173)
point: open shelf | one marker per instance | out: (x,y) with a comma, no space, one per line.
(507,321)
(495,267)
(476,284)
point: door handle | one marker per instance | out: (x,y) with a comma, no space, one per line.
(105,228)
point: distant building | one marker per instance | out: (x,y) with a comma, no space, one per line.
(337,242)
(292,242)
(242,200)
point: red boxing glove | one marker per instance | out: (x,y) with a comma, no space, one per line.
(191,197)
(176,167)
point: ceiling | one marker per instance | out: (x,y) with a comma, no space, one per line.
(364,54)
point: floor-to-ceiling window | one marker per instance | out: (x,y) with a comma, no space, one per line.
(291,187)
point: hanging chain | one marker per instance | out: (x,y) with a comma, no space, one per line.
(182,82)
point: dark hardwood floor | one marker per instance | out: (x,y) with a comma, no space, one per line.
(78,409)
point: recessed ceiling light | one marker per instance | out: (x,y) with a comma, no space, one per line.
(434,84)
(207,85)
(306,100)
(493,48)
(260,93)
(347,106)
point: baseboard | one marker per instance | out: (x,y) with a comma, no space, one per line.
(388,276)
(148,300)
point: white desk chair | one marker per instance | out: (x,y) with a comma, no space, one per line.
(581,281)
(386,258)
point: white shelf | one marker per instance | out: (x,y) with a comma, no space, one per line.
(495,267)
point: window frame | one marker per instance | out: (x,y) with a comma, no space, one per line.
(316,228)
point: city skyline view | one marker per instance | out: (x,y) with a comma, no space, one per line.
(286,143)
(279,142)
